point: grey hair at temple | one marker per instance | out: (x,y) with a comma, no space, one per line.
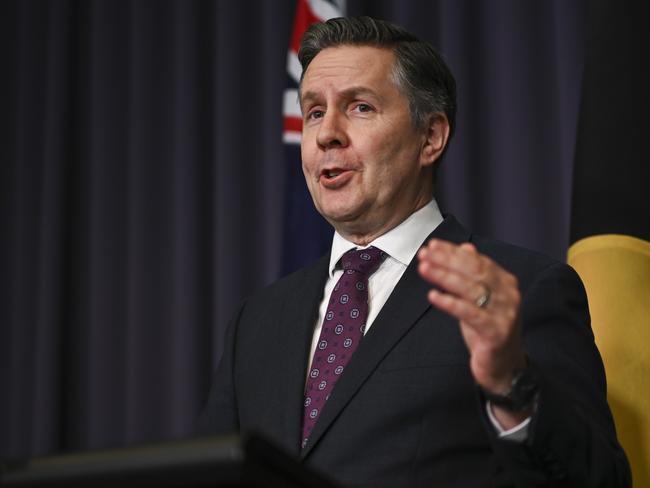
(419,72)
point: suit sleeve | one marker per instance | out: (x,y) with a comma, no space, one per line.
(220,415)
(572,440)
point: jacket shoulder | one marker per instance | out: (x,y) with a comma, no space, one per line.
(528,265)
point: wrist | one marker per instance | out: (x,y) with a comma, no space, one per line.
(517,397)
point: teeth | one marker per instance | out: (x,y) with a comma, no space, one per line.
(333,174)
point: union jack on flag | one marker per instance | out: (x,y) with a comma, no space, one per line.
(307,235)
(307,12)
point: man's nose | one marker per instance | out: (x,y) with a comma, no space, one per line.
(332,131)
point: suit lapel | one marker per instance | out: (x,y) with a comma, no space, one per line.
(404,307)
(299,314)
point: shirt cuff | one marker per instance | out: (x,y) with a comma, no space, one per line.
(518,433)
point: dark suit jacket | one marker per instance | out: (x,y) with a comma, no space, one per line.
(406,412)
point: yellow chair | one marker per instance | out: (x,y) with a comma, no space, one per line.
(616,272)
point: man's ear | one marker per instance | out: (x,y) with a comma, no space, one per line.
(435,138)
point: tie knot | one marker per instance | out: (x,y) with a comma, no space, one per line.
(363,261)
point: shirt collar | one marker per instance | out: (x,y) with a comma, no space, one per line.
(400,243)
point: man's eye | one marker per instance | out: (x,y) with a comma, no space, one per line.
(316,114)
(363,107)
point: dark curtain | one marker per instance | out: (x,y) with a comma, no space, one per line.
(141,186)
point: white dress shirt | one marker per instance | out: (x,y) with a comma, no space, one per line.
(401,244)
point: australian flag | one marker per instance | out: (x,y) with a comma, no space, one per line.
(307,235)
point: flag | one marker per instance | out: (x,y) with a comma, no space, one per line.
(306,234)
(610,220)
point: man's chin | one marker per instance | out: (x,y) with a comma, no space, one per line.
(347,223)
(339,216)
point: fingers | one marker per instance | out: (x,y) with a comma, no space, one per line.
(463,258)
(472,287)
(459,270)
(485,298)
(453,281)
(462,309)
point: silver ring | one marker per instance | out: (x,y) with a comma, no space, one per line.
(484,299)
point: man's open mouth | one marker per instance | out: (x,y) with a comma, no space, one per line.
(332,173)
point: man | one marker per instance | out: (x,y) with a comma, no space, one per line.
(428,356)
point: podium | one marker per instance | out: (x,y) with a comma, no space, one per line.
(231,461)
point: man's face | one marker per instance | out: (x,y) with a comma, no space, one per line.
(366,166)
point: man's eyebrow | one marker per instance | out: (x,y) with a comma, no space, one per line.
(355,91)
(306,96)
(351,92)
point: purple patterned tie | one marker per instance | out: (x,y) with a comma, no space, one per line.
(343,328)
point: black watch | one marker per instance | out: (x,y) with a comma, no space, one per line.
(522,393)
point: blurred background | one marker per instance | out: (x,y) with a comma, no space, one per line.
(145,188)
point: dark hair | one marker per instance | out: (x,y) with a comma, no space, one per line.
(419,72)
